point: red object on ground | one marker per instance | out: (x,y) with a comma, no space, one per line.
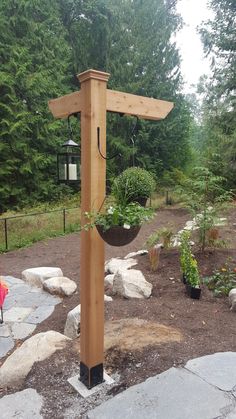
(3,292)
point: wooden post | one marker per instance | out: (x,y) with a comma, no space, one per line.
(93,189)
(93,100)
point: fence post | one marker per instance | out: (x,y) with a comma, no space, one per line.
(6,236)
(64,220)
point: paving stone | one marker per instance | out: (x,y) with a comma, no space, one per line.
(6,344)
(33,299)
(24,404)
(40,314)
(10,280)
(19,289)
(17,314)
(22,330)
(174,394)
(218,369)
(4,331)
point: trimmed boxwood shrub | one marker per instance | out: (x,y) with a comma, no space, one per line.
(132,184)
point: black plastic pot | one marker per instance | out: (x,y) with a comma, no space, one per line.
(184,279)
(118,235)
(193,292)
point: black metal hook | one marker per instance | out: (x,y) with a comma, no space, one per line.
(104,157)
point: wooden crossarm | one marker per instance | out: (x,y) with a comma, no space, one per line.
(121,102)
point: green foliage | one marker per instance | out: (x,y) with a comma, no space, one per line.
(222,280)
(44,44)
(162,236)
(219,122)
(188,263)
(206,197)
(132,184)
(119,215)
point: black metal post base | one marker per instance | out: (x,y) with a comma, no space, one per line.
(91,377)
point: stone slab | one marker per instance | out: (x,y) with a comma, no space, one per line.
(83,390)
(37,299)
(218,369)
(17,314)
(6,344)
(174,394)
(22,330)
(4,331)
(11,280)
(24,404)
(40,314)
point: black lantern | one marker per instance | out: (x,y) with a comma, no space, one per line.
(68,162)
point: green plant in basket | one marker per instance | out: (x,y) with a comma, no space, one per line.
(132,184)
(126,216)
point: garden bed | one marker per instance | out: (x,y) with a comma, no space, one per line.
(206,325)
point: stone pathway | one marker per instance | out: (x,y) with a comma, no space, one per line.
(204,389)
(25,306)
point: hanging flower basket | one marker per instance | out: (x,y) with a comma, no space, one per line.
(118,235)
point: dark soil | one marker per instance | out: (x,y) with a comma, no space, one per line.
(207,325)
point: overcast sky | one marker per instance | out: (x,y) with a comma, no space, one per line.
(193,62)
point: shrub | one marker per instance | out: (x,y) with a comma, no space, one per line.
(222,280)
(132,184)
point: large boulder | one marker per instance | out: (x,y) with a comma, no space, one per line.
(131,284)
(35,349)
(232,299)
(60,285)
(72,326)
(116,264)
(37,276)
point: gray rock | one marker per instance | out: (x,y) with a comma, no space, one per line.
(4,331)
(218,369)
(22,330)
(40,314)
(35,349)
(60,285)
(116,264)
(37,276)
(24,404)
(174,394)
(6,344)
(72,326)
(133,254)
(17,314)
(10,280)
(131,284)
(34,299)
(108,280)
(107,298)
(232,299)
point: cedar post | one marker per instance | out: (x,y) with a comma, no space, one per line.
(93,189)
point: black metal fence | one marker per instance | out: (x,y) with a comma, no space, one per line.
(65,224)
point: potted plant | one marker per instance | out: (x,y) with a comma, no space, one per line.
(185,254)
(119,224)
(134,185)
(193,283)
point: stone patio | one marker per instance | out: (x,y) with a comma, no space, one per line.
(25,306)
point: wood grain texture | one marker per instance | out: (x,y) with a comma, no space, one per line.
(93,169)
(143,107)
